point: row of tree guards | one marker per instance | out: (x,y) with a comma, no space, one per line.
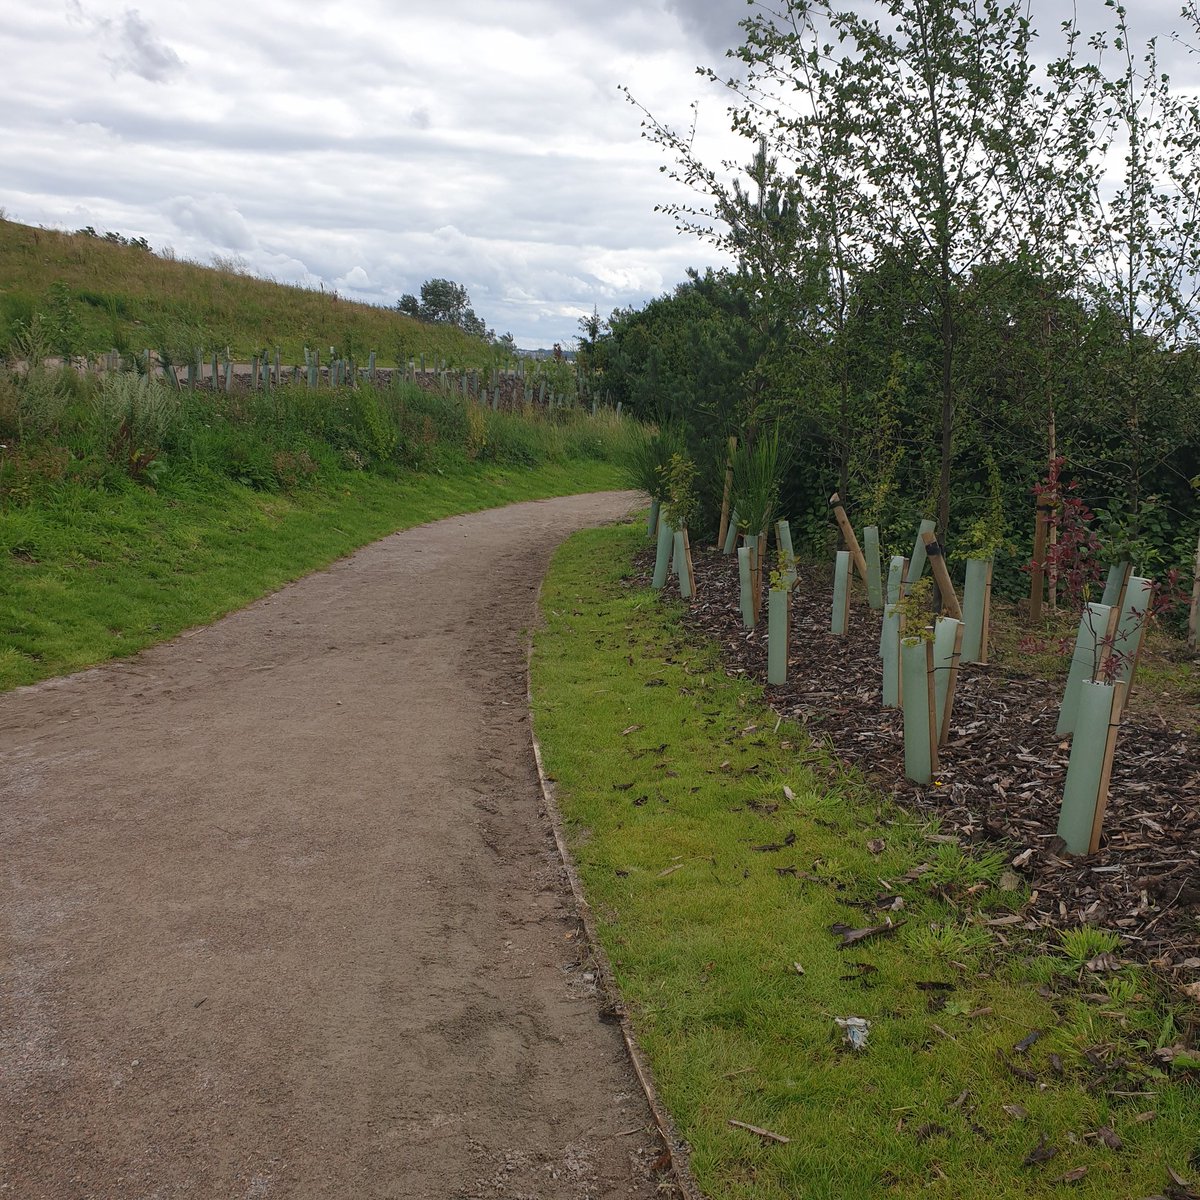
(922,659)
(266,371)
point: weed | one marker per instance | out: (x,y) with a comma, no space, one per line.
(947,941)
(952,868)
(1080,946)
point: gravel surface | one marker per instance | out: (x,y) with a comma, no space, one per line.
(280,914)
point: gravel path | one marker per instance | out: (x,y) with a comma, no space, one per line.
(280,915)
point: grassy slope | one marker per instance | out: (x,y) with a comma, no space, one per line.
(90,575)
(124,296)
(703,931)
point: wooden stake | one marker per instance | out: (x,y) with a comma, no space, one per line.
(759,561)
(937,564)
(848,535)
(1110,747)
(1114,620)
(687,556)
(933,729)
(987,617)
(725,498)
(752,550)
(951,684)
(1038,574)
(1194,610)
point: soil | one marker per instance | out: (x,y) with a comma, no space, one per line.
(1001,773)
(282,915)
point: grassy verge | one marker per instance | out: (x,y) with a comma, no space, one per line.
(87,575)
(721,851)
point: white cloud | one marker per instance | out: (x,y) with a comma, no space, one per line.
(372,145)
(128,43)
(213,218)
(142,52)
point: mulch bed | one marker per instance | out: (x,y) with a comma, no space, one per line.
(1002,772)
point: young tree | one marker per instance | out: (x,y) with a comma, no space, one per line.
(1143,276)
(916,130)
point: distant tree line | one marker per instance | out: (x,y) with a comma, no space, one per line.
(117,239)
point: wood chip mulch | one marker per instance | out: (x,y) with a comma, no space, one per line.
(1002,773)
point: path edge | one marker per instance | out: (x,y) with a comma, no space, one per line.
(613,1008)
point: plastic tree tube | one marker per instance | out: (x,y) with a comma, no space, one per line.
(662,558)
(731,534)
(783,536)
(976,608)
(916,564)
(1132,625)
(1081,793)
(890,646)
(871,554)
(683,568)
(919,759)
(778,604)
(652,519)
(895,578)
(841,594)
(747,587)
(1092,625)
(945,639)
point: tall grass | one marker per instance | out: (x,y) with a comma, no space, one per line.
(98,296)
(57,426)
(758,468)
(647,458)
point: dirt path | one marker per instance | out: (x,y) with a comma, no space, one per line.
(279,914)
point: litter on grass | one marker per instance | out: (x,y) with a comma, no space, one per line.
(855,1031)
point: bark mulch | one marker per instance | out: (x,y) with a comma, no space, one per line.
(1001,774)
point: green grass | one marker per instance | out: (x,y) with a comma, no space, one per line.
(680,777)
(125,297)
(88,575)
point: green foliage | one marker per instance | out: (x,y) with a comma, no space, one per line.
(932,268)
(758,467)
(444,302)
(874,457)
(137,427)
(783,573)
(679,488)
(647,456)
(987,535)
(916,610)
(62,327)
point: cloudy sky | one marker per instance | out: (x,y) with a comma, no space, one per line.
(371,145)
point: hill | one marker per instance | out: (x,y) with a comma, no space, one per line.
(96,294)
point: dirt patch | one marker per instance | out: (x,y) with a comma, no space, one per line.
(1002,772)
(281,915)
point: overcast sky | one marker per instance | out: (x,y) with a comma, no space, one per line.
(371,145)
